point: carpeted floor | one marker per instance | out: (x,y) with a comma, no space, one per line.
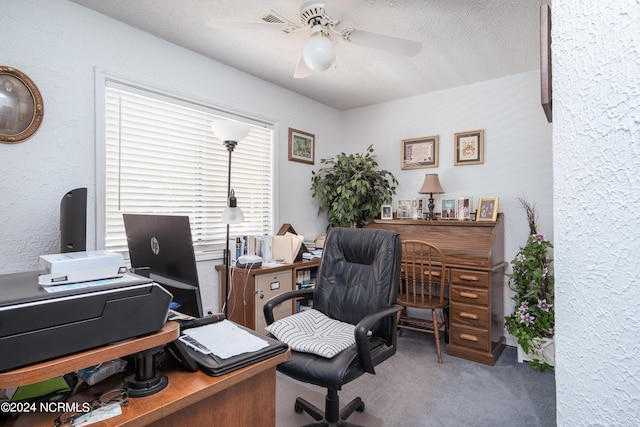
(411,389)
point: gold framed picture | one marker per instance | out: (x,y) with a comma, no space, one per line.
(468,148)
(21,106)
(487,209)
(420,153)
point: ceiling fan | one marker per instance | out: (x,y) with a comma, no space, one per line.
(323,19)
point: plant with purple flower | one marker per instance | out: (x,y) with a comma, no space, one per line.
(531,279)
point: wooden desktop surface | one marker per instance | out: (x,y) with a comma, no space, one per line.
(63,365)
(243,397)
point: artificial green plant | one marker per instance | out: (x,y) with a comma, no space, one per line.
(351,188)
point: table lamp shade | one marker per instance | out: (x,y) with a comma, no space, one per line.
(431,184)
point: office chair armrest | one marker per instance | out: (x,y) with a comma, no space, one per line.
(362,333)
(279,299)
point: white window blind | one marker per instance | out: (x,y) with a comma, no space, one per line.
(162,157)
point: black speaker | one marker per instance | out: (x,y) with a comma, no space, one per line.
(73,221)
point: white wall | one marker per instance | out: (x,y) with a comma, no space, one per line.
(517,155)
(595,162)
(59,45)
(596,76)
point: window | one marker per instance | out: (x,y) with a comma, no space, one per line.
(161,156)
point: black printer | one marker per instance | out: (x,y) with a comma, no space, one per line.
(44,322)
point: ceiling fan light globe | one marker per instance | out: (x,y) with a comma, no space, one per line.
(318,53)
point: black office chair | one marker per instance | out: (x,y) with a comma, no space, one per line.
(357,283)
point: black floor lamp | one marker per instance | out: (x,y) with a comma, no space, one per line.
(230,133)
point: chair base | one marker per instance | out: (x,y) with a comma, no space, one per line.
(332,416)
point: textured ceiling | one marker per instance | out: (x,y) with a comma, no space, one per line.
(464,41)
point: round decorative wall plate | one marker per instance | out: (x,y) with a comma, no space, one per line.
(21,107)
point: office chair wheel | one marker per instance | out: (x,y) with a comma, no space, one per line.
(298,408)
(360,408)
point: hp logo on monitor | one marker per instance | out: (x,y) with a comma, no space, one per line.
(155,246)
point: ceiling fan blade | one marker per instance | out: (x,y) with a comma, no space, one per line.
(302,70)
(215,24)
(384,42)
(338,9)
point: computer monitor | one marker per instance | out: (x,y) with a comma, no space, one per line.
(162,243)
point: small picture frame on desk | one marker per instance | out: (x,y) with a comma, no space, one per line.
(404,209)
(463,209)
(449,210)
(386,212)
(487,209)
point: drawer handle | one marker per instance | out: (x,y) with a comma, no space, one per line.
(468,295)
(433,273)
(469,337)
(469,315)
(469,278)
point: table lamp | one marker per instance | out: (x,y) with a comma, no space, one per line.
(431,186)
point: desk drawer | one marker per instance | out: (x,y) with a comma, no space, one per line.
(469,295)
(270,285)
(470,337)
(470,315)
(470,278)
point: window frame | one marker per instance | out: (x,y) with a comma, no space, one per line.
(101,80)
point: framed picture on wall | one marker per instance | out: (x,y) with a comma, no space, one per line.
(21,106)
(545,61)
(468,148)
(487,209)
(302,146)
(420,153)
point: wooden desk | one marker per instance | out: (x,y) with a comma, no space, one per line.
(243,397)
(74,362)
(474,253)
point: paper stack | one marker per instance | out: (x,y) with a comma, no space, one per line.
(286,247)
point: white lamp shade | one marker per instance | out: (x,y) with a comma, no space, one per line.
(230,130)
(318,52)
(232,215)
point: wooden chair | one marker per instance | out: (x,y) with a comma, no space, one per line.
(423,286)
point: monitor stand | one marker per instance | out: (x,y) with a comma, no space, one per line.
(147,379)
